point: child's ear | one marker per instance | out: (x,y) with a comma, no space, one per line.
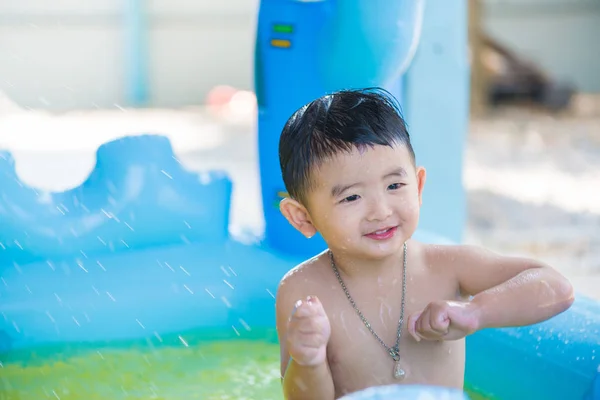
(298,216)
(421,177)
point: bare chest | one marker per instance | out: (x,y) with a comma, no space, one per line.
(359,357)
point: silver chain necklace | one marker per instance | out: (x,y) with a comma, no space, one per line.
(394,351)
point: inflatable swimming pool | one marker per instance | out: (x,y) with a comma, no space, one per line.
(185,310)
(130,286)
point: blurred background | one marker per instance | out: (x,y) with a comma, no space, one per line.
(75,74)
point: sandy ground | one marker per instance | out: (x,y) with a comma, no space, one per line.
(533,180)
(533,186)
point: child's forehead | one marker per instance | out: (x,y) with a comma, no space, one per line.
(365,154)
(361,160)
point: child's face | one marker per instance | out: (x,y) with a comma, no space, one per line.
(365,203)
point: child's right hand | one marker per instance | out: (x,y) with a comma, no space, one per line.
(308,332)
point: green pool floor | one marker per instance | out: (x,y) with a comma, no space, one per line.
(208,366)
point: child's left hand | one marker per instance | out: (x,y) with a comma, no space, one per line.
(444,320)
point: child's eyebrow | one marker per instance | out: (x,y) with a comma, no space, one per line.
(339,189)
(396,172)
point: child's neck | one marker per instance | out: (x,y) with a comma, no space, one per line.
(356,267)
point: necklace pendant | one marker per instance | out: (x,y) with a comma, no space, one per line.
(399,373)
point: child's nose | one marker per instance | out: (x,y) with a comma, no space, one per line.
(379,210)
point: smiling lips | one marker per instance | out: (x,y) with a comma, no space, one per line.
(382,234)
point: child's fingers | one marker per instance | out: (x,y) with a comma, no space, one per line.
(412,325)
(439,322)
(423,326)
(443,325)
(307,308)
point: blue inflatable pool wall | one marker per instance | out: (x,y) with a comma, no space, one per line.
(137,196)
(142,247)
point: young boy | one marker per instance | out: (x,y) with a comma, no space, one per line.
(378,307)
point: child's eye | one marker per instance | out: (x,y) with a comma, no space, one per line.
(350,199)
(395,186)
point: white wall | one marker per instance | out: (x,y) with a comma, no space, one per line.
(560,35)
(62,54)
(66,54)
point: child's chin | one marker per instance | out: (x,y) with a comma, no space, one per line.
(384,250)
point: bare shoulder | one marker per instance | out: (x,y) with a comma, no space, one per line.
(445,256)
(301,281)
(433,257)
(462,256)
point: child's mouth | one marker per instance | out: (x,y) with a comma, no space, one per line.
(382,234)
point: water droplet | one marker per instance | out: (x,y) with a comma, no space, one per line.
(225,271)
(244,324)
(19,270)
(228,284)
(225,301)
(80,265)
(110,296)
(235,330)
(166,174)
(50,316)
(272,295)
(182,340)
(188,289)
(208,291)
(184,271)
(140,324)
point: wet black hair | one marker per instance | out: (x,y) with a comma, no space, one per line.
(335,123)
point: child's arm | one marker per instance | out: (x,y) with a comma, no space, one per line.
(304,331)
(507,291)
(510,291)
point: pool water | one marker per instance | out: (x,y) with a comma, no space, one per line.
(206,365)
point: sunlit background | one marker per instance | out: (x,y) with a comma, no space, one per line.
(69,82)
(532,167)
